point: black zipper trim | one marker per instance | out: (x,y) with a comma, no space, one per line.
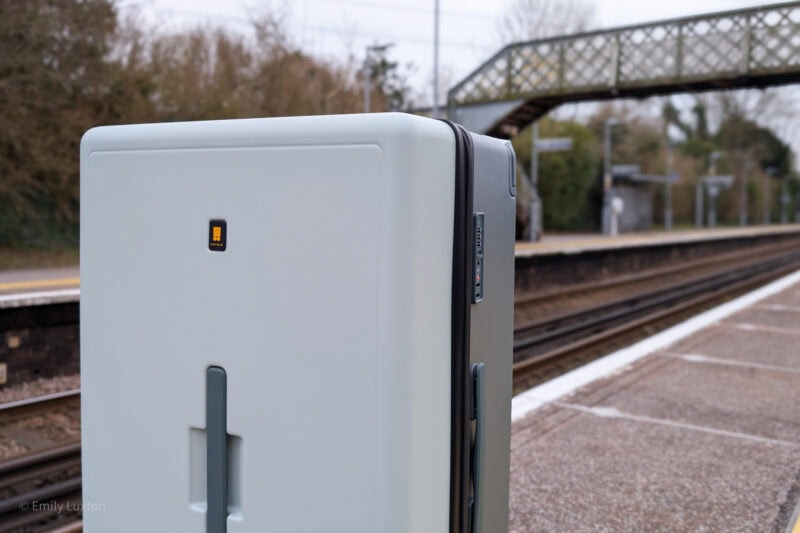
(461,379)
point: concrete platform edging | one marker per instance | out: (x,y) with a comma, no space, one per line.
(39,298)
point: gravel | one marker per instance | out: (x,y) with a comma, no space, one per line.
(11,448)
(39,387)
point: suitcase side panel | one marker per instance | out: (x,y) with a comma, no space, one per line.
(492,322)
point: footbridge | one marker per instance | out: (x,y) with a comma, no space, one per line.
(747,48)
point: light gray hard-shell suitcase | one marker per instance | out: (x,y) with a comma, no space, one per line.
(296,324)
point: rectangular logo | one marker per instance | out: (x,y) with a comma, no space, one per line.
(217,235)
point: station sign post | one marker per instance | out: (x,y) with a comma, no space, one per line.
(713,185)
(553,144)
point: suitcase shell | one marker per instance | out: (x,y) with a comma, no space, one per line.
(492,320)
(333,308)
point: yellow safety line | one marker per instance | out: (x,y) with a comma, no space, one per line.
(796,528)
(32,284)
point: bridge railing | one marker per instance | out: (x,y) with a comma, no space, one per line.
(755,41)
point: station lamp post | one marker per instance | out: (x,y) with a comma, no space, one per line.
(785,199)
(668,188)
(698,191)
(714,184)
(368,66)
(770,171)
(743,208)
(607,177)
(797,203)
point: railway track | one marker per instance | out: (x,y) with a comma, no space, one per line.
(40,490)
(629,282)
(550,346)
(16,410)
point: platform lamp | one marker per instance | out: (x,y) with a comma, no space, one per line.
(698,191)
(743,199)
(607,177)
(797,202)
(785,199)
(768,172)
(668,187)
(712,168)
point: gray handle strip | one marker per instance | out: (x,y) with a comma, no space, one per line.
(216,450)
(479,445)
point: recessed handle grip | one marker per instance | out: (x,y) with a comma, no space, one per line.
(216,450)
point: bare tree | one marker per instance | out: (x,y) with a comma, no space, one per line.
(535,19)
(776,108)
(68,65)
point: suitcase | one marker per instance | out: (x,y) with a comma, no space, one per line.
(296,324)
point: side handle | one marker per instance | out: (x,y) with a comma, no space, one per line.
(478,443)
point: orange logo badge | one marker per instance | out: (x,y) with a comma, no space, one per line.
(217,235)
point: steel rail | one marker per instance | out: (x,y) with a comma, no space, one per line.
(36,469)
(676,303)
(535,333)
(646,275)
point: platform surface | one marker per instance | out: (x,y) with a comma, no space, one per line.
(578,243)
(23,281)
(701,435)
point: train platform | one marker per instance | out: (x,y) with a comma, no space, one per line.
(36,287)
(694,429)
(580,243)
(38,279)
(60,279)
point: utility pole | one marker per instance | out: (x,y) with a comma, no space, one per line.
(368,64)
(436,59)
(367,76)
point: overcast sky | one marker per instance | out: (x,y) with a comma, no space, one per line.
(338,29)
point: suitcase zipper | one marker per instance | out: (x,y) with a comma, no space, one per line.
(462,294)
